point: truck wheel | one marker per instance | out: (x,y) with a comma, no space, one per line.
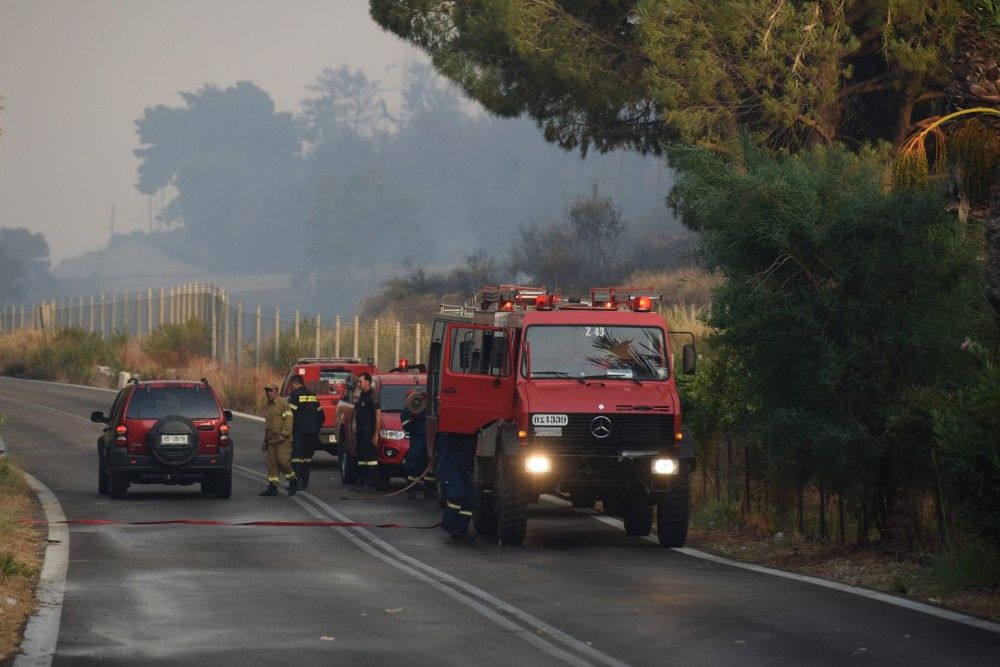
(382,478)
(581,502)
(348,466)
(673,512)
(102,475)
(117,485)
(222,485)
(637,515)
(511,504)
(484,504)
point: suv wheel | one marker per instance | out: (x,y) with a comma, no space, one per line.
(173,427)
(222,484)
(117,485)
(102,474)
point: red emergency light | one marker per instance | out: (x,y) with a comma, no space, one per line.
(543,302)
(507,306)
(642,304)
(403,363)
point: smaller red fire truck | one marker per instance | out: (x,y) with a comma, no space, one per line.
(393,443)
(328,378)
(565,396)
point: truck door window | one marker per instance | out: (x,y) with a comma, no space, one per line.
(479,351)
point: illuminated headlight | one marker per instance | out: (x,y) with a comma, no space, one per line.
(392,435)
(665,466)
(537,463)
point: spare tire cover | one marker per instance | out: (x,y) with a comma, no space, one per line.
(173,440)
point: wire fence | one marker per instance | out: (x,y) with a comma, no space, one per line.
(238,332)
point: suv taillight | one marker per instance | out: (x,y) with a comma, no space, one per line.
(224,435)
(121,435)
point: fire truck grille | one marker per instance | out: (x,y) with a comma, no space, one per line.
(627,432)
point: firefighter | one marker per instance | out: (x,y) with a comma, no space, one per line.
(368,418)
(456,456)
(278,442)
(307,421)
(414,422)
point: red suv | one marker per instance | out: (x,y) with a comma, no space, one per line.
(165,432)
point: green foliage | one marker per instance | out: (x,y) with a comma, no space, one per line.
(716,514)
(24,256)
(70,355)
(290,349)
(641,73)
(175,345)
(838,300)
(969,454)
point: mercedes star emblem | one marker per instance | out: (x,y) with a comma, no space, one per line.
(600,427)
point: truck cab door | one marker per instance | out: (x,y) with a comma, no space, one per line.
(476,381)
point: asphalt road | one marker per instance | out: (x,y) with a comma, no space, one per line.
(579,592)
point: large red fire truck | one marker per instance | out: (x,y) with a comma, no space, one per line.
(571,397)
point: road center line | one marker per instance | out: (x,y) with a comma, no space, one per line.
(538,633)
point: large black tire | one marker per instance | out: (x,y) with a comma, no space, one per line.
(511,503)
(348,464)
(382,478)
(117,485)
(222,484)
(673,513)
(173,455)
(484,499)
(637,515)
(102,474)
(579,502)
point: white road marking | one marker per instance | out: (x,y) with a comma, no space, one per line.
(538,633)
(41,634)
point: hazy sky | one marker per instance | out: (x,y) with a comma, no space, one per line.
(76,74)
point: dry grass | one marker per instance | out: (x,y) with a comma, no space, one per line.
(20,557)
(680,287)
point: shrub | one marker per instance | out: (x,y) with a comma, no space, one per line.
(174,345)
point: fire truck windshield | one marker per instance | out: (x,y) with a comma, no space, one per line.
(576,352)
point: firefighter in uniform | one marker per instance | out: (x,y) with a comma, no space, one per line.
(413,419)
(456,456)
(368,417)
(278,442)
(306,423)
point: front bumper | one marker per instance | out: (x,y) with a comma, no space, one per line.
(607,475)
(146,469)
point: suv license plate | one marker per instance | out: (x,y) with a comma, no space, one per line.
(173,440)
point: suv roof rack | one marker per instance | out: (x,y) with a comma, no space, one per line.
(328,360)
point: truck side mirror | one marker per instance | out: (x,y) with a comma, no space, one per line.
(688,355)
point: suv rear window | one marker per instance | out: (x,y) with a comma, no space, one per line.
(157,402)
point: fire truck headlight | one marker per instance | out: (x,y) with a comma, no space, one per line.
(665,466)
(537,463)
(392,435)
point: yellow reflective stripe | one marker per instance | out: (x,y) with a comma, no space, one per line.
(464,513)
(274,479)
(307,460)
(286,413)
(430,478)
(297,460)
(454,506)
(367,463)
(308,399)
(293,406)
(289,475)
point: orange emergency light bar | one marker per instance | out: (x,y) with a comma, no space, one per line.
(639,299)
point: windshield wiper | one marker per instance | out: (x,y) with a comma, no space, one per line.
(562,374)
(611,377)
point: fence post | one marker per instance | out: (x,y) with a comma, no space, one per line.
(149,311)
(159,320)
(215,328)
(318,322)
(416,345)
(399,331)
(297,320)
(90,315)
(239,332)
(256,347)
(336,340)
(22,327)
(277,330)
(79,313)
(104,319)
(225,326)
(375,342)
(357,332)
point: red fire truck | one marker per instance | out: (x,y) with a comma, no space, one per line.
(572,397)
(328,378)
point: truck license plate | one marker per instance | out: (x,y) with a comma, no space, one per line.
(173,440)
(549,420)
